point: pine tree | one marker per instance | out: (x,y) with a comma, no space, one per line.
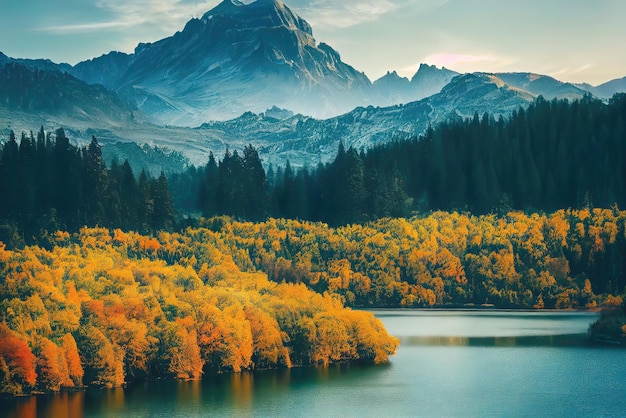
(95,184)
(209,187)
(163,213)
(256,193)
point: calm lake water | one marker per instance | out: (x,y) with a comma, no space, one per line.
(450,364)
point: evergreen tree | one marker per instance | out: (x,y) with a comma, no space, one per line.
(208,196)
(95,184)
(163,213)
(9,170)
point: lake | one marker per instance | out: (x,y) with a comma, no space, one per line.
(450,364)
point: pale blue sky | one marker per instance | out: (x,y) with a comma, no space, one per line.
(573,40)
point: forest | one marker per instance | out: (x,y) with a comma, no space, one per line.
(569,259)
(553,155)
(47,184)
(105,307)
(108,276)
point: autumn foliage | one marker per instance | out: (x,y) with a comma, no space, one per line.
(567,259)
(105,307)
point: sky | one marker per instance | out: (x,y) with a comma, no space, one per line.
(573,40)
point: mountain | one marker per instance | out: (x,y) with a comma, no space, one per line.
(392,89)
(609,88)
(541,85)
(39,64)
(260,59)
(429,80)
(235,58)
(280,135)
(35,93)
(106,70)
(43,90)
(305,141)
(606,90)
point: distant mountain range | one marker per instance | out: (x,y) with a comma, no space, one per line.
(606,90)
(252,74)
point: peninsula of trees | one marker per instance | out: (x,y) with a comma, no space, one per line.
(104,307)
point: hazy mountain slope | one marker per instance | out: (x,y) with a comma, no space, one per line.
(307,141)
(606,90)
(106,69)
(541,85)
(49,92)
(41,64)
(392,89)
(280,136)
(429,80)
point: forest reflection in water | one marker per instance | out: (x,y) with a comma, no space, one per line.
(450,363)
(509,341)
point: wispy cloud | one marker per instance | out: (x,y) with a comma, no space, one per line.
(168,15)
(163,15)
(86,27)
(333,14)
(330,14)
(577,74)
(571,71)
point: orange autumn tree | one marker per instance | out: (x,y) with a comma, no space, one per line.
(17,363)
(53,370)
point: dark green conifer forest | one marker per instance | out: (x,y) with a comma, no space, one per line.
(48,184)
(554,155)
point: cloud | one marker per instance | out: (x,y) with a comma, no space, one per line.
(331,14)
(170,15)
(569,73)
(86,27)
(163,16)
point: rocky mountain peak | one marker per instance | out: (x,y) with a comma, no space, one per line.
(238,57)
(261,13)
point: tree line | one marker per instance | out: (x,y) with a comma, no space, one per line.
(48,184)
(554,154)
(564,260)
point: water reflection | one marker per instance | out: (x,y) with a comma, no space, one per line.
(411,323)
(68,404)
(519,341)
(189,392)
(114,398)
(537,364)
(242,390)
